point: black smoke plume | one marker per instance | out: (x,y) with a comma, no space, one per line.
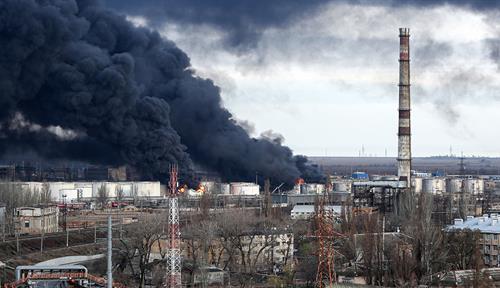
(242,21)
(80,82)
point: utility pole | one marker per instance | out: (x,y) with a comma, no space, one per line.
(43,230)
(110,254)
(173,277)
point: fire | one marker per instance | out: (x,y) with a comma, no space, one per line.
(183,189)
(299,181)
(201,189)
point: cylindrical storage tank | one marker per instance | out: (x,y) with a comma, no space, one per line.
(433,185)
(454,185)
(416,183)
(427,185)
(225,189)
(474,186)
(440,186)
(209,186)
(244,188)
(342,186)
(312,188)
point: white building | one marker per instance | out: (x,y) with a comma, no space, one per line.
(308,211)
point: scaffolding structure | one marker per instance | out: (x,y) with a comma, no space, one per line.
(173,277)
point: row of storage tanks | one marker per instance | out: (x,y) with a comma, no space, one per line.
(433,185)
(440,185)
(75,191)
(233,188)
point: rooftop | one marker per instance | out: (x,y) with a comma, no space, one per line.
(485,224)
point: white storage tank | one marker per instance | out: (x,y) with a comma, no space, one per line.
(147,189)
(225,188)
(244,188)
(433,185)
(455,185)
(312,188)
(416,183)
(474,186)
(342,186)
(209,186)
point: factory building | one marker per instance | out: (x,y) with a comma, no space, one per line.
(35,220)
(308,211)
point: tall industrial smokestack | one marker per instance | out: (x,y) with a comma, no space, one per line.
(404,135)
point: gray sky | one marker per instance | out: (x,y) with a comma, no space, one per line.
(327,81)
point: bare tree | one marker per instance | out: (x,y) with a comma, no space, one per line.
(119,195)
(102,195)
(45,193)
(138,243)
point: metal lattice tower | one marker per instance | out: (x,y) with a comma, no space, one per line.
(173,278)
(325,235)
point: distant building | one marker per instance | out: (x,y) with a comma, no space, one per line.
(34,220)
(264,250)
(360,176)
(97,173)
(489,227)
(308,211)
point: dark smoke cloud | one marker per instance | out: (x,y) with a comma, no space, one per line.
(243,21)
(79,82)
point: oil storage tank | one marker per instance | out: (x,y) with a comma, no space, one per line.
(454,185)
(244,188)
(474,186)
(434,185)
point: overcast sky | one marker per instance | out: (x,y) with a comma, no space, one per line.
(327,79)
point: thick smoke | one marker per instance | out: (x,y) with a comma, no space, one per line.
(243,21)
(80,82)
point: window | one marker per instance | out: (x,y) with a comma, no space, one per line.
(495,236)
(27,224)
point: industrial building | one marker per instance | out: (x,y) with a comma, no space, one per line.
(36,220)
(307,211)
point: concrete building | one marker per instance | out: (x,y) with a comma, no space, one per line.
(35,220)
(308,211)
(489,227)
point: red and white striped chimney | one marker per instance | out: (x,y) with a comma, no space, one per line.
(404,135)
